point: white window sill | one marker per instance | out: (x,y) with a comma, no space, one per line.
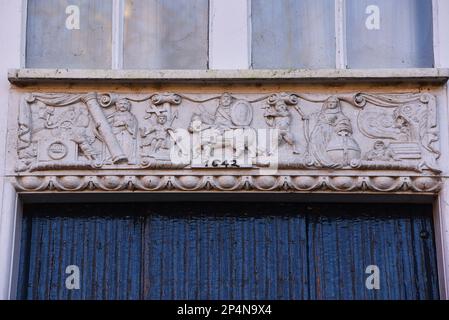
(23,77)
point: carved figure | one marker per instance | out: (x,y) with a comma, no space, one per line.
(211,137)
(278,116)
(330,142)
(227,130)
(380,152)
(57,131)
(125,127)
(156,138)
(223,120)
(407,120)
(411,124)
(72,124)
(83,137)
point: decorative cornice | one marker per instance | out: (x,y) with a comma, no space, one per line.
(23,77)
(230,183)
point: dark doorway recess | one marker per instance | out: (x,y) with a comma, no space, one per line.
(228,250)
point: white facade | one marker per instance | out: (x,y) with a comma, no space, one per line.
(229,57)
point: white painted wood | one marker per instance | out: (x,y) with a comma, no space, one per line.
(441,56)
(340,34)
(117,33)
(23,41)
(250,34)
(436,33)
(15,260)
(441,28)
(7,240)
(441,204)
(11,23)
(441,222)
(229,46)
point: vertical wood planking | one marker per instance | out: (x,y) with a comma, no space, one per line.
(232,251)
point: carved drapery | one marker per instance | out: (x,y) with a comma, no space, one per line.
(280,141)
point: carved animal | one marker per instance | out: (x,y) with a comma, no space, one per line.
(211,138)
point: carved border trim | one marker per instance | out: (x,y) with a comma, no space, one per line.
(228,183)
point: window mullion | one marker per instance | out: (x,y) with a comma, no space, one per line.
(118,13)
(440,27)
(23,40)
(229,40)
(340,34)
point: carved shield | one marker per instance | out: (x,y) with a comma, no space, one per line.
(241,113)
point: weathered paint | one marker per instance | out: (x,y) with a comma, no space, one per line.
(215,250)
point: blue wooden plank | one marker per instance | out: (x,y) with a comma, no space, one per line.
(55,277)
(79,258)
(207,251)
(44,259)
(298,275)
(249,290)
(192,259)
(202,258)
(153,258)
(283,290)
(64,256)
(260,249)
(225,259)
(272,258)
(214,257)
(26,256)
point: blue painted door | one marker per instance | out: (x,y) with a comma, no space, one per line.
(213,250)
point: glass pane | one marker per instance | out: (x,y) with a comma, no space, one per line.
(69,34)
(389,34)
(293,34)
(161,34)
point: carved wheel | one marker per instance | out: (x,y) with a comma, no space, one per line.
(57,150)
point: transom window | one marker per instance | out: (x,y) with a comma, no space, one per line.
(175,34)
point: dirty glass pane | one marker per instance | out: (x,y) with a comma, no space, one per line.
(293,34)
(389,34)
(161,34)
(69,34)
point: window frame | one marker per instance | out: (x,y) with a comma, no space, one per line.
(241,57)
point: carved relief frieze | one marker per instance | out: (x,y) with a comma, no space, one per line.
(279,131)
(407,125)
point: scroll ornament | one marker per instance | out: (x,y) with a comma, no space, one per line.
(108,131)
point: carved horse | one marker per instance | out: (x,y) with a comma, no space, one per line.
(212,138)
